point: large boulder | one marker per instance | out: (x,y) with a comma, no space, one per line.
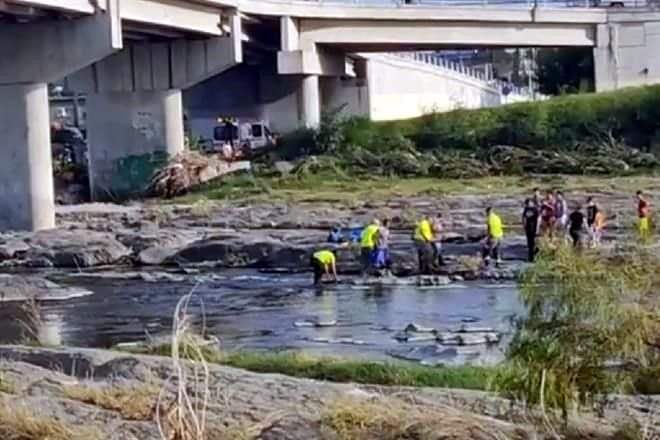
(233,251)
(75,249)
(13,248)
(154,246)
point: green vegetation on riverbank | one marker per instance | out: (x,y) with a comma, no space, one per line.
(606,134)
(643,381)
(340,370)
(321,188)
(584,311)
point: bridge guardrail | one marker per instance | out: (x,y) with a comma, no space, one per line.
(621,4)
(440,62)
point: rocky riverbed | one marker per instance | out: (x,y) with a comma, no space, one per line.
(94,394)
(275,236)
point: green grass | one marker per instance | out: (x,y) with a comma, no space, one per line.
(643,381)
(6,386)
(333,189)
(340,370)
(363,372)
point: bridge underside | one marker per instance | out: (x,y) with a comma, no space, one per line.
(131,57)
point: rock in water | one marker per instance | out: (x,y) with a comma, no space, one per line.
(448,339)
(414,327)
(471,339)
(474,329)
(311,323)
(26,288)
(433,280)
(414,337)
(13,249)
(345,341)
(155,277)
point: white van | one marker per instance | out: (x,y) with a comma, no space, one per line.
(244,135)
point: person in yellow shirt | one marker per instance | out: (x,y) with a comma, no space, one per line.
(494,235)
(368,244)
(324,262)
(423,238)
(644,215)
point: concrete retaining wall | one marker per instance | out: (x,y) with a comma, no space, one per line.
(627,54)
(401,88)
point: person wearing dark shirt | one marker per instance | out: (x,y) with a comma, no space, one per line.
(577,225)
(530,222)
(592,210)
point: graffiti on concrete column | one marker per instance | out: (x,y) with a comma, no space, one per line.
(132,174)
(145,123)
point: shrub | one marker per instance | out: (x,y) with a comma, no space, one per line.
(629,115)
(582,313)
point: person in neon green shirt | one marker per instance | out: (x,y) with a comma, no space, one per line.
(368,243)
(324,262)
(423,238)
(494,235)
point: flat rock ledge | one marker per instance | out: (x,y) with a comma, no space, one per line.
(43,382)
(30,287)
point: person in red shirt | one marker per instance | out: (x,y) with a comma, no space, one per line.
(548,214)
(644,216)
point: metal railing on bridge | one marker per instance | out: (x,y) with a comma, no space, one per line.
(484,76)
(636,4)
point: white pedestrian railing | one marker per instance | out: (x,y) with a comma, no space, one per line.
(484,76)
(628,4)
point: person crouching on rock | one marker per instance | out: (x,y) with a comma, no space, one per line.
(368,244)
(494,235)
(324,262)
(423,238)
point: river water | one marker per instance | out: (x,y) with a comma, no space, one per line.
(251,311)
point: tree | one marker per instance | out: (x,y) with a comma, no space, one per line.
(565,70)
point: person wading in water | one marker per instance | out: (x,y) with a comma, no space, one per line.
(531,221)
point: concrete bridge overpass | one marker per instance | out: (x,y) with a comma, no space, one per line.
(133,58)
(316,39)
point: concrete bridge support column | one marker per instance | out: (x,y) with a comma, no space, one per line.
(310,102)
(26,172)
(32,56)
(134,106)
(132,134)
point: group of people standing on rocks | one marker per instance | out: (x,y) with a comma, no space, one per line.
(549,217)
(542,216)
(427,235)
